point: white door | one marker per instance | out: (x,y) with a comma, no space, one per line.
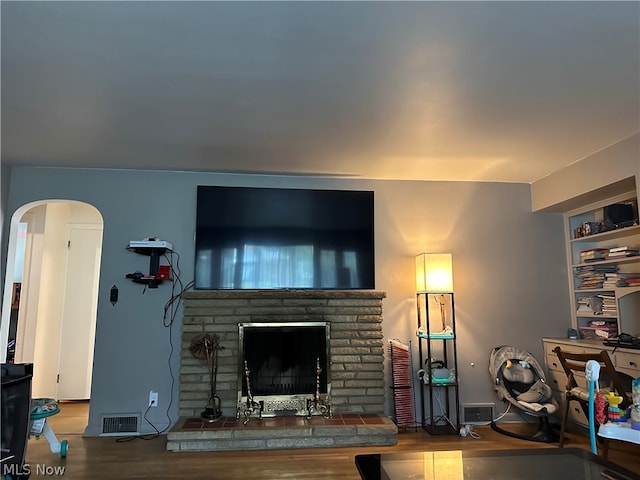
(79,313)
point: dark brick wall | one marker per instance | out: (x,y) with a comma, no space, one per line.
(355,349)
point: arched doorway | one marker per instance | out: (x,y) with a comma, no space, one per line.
(54,263)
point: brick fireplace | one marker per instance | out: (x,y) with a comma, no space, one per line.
(355,353)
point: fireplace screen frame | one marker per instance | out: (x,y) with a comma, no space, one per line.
(289,404)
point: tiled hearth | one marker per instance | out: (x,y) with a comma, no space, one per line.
(357,370)
(193,434)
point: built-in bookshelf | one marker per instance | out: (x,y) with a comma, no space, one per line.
(604,267)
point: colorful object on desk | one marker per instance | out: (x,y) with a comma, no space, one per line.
(628,430)
(614,413)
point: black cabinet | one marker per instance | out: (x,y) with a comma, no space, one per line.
(16,410)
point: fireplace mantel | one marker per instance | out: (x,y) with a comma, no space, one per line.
(283,294)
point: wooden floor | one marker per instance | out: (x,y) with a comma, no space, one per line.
(93,458)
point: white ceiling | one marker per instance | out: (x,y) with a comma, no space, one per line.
(488,91)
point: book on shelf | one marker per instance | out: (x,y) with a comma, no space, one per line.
(609,306)
(583,305)
(626,253)
(622,249)
(590,251)
(599,269)
(626,280)
(589,286)
(593,254)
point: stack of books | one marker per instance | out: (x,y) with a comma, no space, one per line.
(618,252)
(609,306)
(583,306)
(633,281)
(593,255)
(590,305)
(612,280)
(593,276)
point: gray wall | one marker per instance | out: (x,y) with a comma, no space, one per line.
(509,269)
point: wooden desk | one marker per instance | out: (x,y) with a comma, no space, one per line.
(626,360)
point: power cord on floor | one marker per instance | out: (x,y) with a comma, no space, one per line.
(148,436)
(151,435)
(467,431)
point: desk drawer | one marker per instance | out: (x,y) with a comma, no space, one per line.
(628,362)
(557,381)
(577,414)
(553,363)
(548,348)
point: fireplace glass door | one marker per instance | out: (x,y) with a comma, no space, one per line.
(287,365)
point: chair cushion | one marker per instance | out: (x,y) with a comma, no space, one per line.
(549,408)
(583,393)
(539,392)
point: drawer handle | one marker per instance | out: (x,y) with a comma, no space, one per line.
(554,364)
(633,364)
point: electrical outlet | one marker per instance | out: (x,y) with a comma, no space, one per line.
(153,399)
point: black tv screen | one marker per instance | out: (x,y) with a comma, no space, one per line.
(275,238)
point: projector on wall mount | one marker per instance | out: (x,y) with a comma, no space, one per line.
(151,242)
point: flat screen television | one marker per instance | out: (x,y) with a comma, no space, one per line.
(277,238)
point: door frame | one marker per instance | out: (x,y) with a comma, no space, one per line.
(16,218)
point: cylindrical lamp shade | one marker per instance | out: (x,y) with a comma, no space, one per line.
(434,273)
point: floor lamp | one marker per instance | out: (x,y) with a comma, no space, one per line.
(434,276)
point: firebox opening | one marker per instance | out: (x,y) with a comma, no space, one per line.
(282,358)
(284,369)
